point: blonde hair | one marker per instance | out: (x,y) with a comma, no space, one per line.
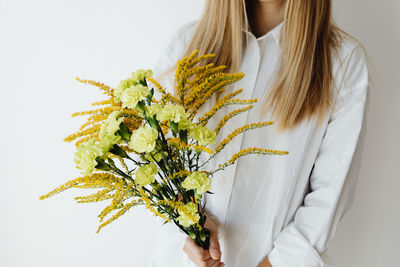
(309,39)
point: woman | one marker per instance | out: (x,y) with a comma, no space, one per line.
(311,79)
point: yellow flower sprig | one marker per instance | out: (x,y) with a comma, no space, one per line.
(229,116)
(104,102)
(183,146)
(121,160)
(194,61)
(165,96)
(105,88)
(220,104)
(150,206)
(201,76)
(198,70)
(92,120)
(96,197)
(181,77)
(121,194)
(100,111)
(207,84)
(182,173)
(214,89)
(122,211)
(114,188)
(84,139)
(131,113)
(186,68)
(133,123)
(97,180)
(92,132)
(238,131)
(251,150)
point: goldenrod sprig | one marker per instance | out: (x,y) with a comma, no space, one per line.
(165,96)
(105,88)
(238,131)
(214,89)
(92,131)
(226,100)
(122,211)
(229,116)
(248,151)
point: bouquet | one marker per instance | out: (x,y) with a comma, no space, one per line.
(135,149)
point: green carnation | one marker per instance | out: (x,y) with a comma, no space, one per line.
(153,109)
(197,180)
(85,156)
(111,125)
(107,142)
(132,95)
(185,125)
(141,74)
(145,174)
(123,85)
(173,112)
(143,139)
(193,217)
(203,135)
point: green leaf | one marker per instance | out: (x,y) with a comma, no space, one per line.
(102,165)
(124,132)
(116,150)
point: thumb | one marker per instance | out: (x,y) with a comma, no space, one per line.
(215,250)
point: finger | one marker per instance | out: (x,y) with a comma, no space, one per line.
(197,251)
(213,263)
(215,250)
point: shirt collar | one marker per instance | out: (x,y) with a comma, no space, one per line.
(275,32)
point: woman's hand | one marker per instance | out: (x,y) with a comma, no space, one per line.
(265,263)
(200,256)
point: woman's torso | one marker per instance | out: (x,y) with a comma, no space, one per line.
(256,198)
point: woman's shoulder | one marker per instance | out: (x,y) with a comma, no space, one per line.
(349,51)
(180,37)
(350,66)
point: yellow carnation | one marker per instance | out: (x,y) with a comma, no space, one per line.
(191,218)
(143,139)
(203,135)
(132,95)
(197,180)
(145,174)
(173,112)
(85,156)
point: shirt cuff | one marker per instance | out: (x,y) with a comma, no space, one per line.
(291,249)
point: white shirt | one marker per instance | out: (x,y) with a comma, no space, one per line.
(287,207)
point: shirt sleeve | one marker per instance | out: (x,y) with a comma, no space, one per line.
(333,177)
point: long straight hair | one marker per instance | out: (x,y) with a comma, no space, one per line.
(308,41)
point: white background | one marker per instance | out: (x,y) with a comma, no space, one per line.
(45,44)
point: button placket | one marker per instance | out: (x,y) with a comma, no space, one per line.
(251,64)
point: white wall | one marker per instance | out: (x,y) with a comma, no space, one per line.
(369,234)
(45,44)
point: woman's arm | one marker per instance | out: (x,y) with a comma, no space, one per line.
(333,177)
